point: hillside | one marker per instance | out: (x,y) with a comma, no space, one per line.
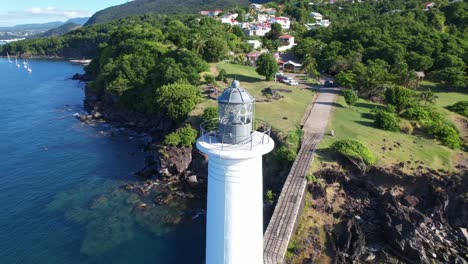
(140,7)
(58,31)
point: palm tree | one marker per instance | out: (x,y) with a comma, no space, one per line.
(428,97)
(198,43)
(309,65)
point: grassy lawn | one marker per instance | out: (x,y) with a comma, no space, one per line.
(284,114)
(354,123)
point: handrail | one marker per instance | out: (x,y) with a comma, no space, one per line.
(210,129)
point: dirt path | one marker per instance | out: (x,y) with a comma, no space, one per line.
(288,207)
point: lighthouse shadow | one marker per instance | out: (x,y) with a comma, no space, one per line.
(243,78)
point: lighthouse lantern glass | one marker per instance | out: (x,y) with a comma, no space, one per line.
(235,109)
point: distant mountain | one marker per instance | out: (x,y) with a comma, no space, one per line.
(140,7)
(41,27)
(58,31)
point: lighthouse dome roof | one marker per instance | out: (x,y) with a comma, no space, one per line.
(235,95)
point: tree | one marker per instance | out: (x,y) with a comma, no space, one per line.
(267,66)
(346,79)
(275,32)
(177,99)
(350,97)
(309,65)
(215,49)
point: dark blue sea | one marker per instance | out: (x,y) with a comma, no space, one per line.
(60,195)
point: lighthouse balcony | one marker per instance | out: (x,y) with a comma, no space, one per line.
(218,137)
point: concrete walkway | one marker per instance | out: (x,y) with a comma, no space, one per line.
(288,207)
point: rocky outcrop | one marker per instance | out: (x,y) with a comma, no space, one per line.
(173,161)
(104,106)
(392,217)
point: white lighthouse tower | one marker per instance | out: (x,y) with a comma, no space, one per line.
(234,227)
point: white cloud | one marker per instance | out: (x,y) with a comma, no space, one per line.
(54,12)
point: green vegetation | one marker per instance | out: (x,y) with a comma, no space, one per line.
(375,43)
(183,137)
(388,147)
(460,108)
(350,97)
(386,120)
(287,151)
(141,7)
(284,114)
(177,99)
(399,97)
(353,150)
(270,197)
(267,66)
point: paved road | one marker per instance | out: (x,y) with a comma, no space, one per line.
(288,207)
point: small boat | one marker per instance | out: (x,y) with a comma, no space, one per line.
(29,70)
(8,55)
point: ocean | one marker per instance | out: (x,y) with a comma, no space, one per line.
(61,199)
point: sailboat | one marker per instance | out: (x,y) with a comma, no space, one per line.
(16,61)
(8,55)
(25,64)
(29,69)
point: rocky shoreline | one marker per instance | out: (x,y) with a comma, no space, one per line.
(387,216)
(176,172)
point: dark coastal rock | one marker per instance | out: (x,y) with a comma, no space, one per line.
(105,106)
(173,161)
(81,77)
(392,217)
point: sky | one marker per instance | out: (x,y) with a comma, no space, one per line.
(15,12)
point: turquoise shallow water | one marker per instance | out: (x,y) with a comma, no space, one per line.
(60,200)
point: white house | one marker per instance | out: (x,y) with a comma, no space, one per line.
(283,21)
(317,16)
(287,42)
(291,65)
(257,29)
(255,43)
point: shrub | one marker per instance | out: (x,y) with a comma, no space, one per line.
(172,139)
(353,150)
(210,113)
(459,108)
(386,120)
(209,79)
(210,117)
(406,127)
(399,97)
(311,178)
(184,137)
(188,135)
(445,133)
(222,75)
(270,197)
(350,97)
(417,113)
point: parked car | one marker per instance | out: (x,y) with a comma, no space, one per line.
(292,82)
(329,83)
(285,79)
